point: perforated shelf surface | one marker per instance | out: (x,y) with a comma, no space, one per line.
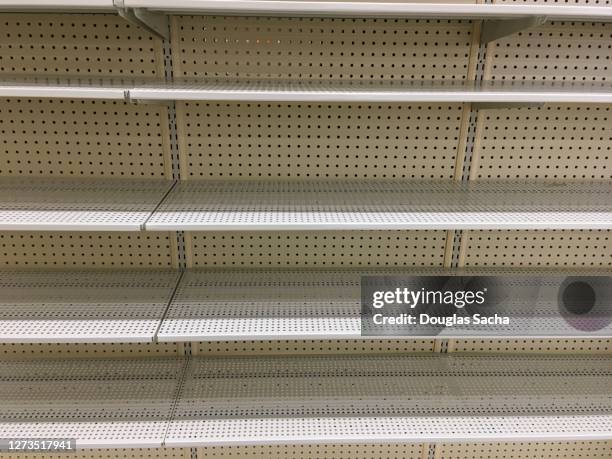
(402,91)
(297,205)
(326,304)
(83,306)
(91,6)
(306,91)
(377,8)
(107,403)
(100,403)
(77,88)
(402,399)
(78,204)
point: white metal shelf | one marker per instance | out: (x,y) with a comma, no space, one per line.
(89,6)
(78,204)
(361,205)
(61,87)
(399,399)
(138,90)
(83,306)
(326,304)
(323,8)
(409,91)
(100,403)
(269,400)
(376,8)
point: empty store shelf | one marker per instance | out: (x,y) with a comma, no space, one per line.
(335,205)
(392,399)
(57,6)
(155,90)
(99,403)
(357,91)
(375,8)
(83,306)
(78,204)
(326,304)
(63,88)
(273,400)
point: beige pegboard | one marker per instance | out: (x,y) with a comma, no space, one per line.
(315,249)
(233,140)
(546,248)
(531,346)
(558,142)
(314,347)
(42,250)
(555,51)
(85,45)
(321,48)
(83,138)
(23,351)
(123,453)
(527,449)
(335,451)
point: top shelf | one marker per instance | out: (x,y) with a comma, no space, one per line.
(147,90)
(324,8)
(356,8)
(89,6)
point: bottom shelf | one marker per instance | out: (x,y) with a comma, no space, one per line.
(299,400)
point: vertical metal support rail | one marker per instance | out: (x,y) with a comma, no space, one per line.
(176,176)
(174,155)
(442,345)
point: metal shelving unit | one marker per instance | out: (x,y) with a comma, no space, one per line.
(335,205)
(287,146)
(83,306)
(78,204)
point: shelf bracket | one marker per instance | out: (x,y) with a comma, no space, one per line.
(498,105)
(156,23)
(493,30)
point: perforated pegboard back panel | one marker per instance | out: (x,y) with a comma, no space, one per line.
(315,249)
(316,48)
(547,248)
(314,347)
(62,250)
(532,346)
(24,351)
(555,51)
(560,142)
(519,450)
(336,451)
(83,138)
(232,140)
(87,45)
